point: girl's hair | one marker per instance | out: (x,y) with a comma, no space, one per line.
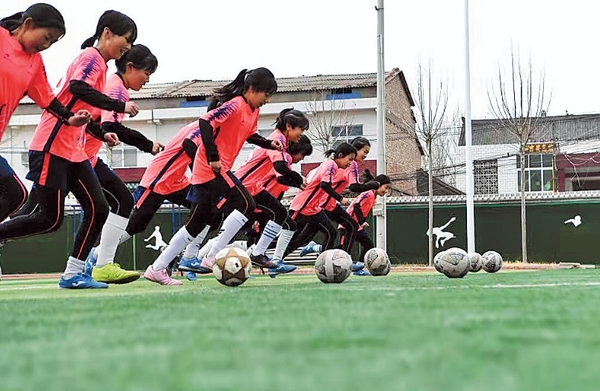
(140,57)
(360,142)
(120,24)
(381,178)
(302,146)
(43,16)
(344,149)
(294,118)
(260,79)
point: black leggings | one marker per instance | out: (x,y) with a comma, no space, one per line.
(308,226)
(340,216)
(117,194)
(365,242)
(274,210)
(12,195)
(148,204)
(48,216)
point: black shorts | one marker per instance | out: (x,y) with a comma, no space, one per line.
(53,172)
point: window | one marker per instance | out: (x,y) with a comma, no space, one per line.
(123,157)
(342,133)
(485,173)
(538,172)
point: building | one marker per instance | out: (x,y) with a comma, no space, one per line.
(563,155)
(340,107)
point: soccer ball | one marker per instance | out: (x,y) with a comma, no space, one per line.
(454,264)
(475,262)
(377,262)
(492,261)
(436,261)
(333,266)
(232,266)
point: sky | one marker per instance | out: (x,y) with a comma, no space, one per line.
(216,39)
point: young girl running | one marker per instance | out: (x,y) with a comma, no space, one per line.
(57,159)
(306,207)
(22,37)
(215,191)
(360,208)
(254,174)
(133,71)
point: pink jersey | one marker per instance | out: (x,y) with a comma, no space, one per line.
(115,89)
(365,201)
(258,168)
(51,135)
(20,74)
(166,173)
(308,200)
(343,179)
(233,123)
(272,186)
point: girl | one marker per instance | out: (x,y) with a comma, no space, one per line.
(359,209)
(348,178)
(253,174)
(215,191)
(306,207)
(22,37)
(57,158)
(133,71)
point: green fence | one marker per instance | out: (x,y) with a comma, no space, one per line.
(497,227)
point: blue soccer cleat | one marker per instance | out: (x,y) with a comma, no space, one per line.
(80,281)
(191,276)
(361,272)
(192,265)
(309,248)
(90,262)
(357,266)
(281,268)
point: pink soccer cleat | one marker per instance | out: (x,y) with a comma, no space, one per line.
(161,277)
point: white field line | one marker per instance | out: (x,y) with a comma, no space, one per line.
(24,287)
(495,286)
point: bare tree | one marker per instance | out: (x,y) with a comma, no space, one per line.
(432,128)
(519,102)
(324,114)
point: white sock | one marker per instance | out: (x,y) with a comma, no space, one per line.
(124,237)
(74,266)
(270,232)
(193,248)
(112,231)
(318,248)
(232,224)
(285,237)
(206,248)
(177,244)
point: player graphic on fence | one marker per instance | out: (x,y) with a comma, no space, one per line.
(440,236)
(159,243)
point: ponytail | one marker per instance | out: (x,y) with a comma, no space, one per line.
(42,15)
(228,91)
(260,79)
(12,22)
(89,42)
(344,149)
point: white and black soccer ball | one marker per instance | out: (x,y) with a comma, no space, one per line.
(377,262)
(232,266)
(333,266)
(475,262)
(454,264)
(436,261)
(492,261)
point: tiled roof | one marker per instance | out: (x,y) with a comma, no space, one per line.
(551,128)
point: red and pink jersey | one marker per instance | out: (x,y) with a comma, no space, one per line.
(233,123)
(365,201)
(51,135)
(166,173)
(308,200)
(272,186)
(258,167)
(115,89)
(343,179)
(20,74)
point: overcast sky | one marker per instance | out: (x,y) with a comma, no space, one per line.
(216,39)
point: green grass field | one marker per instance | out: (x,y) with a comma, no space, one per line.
(505,331)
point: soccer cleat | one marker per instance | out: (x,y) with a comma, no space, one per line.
(281,268)
(80,281)
(191,276)
(111,273)
(309,248)
(161,277)
(356,266)
(90,262)
(193,265)
(361,272)
(262,261)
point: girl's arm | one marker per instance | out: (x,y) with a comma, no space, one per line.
(129,136)
(89,95)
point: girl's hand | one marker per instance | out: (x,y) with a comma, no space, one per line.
(365,224)
(111,139)
(216,166)
(82,117)
(276,144)
(132,109)
(157,147)
(345,201)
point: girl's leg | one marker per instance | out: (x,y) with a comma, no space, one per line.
(12,191)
